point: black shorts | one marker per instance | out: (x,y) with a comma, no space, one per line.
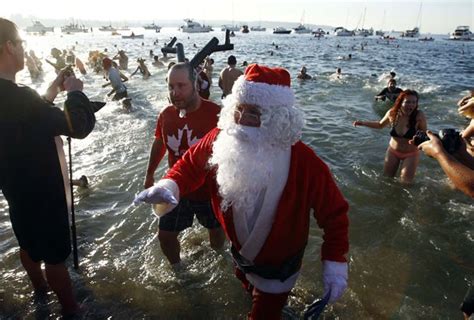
(182,216)
(43,234)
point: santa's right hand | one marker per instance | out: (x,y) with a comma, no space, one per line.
(156,194)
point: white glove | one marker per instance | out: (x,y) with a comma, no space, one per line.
(156,194)
(335,276)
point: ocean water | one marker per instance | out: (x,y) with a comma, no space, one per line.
(411,247)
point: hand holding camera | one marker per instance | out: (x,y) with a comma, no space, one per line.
(447,139)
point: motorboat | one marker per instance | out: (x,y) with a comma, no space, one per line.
(151,26)
(245,29)
(133,36)
(426,39)
(318,32)
(230,27)
(343,32)
(301,29)
(413,33)
(107,28)
(124,28)
(193,27)
(281,30)
(364,32)
(74,28)
(462,33)
(258,28)
(38,27)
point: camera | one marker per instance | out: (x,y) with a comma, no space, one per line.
(450,138)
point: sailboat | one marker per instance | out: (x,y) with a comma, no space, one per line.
(380,32)
(301,28)
(415,32)
(363,32)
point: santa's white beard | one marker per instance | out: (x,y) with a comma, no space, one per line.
(244,166)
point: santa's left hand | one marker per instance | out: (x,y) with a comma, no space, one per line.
(335,276)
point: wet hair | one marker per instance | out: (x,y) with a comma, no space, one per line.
(192,75)
(392,80)
(231,60)
(8,32)
(393,115)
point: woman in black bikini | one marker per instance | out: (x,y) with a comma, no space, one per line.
(405,119)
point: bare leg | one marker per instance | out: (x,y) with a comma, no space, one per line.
(59,281)
(409,165)
(391,164)
(170,245)
(33,269)
(216,238)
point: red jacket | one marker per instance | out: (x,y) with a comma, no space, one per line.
(310,185)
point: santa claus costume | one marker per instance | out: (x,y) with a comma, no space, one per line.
(265,183)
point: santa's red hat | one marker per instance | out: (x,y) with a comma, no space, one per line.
(264,86)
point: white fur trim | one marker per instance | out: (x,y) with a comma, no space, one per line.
(262,94)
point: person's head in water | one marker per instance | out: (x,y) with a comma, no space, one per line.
(231,61)
(392,74)
(182,86)
(338,71)
(392,84)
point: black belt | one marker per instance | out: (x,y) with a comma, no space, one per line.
(283,272)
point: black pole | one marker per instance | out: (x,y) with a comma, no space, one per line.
(73,215)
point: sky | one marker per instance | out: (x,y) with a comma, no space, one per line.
(437,16)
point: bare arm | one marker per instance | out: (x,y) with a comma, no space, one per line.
(157,153)
(421,121)
(461,175)
(374,124)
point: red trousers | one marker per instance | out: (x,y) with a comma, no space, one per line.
(265,305)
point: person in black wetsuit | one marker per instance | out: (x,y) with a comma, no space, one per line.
(391,92)
(32,155)
(405,119)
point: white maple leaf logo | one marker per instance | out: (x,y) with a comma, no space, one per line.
(175,143)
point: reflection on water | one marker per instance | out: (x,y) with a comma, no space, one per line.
(411,247)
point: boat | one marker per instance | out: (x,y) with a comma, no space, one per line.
(151,26)
(107,28)
(38,27)
(462,33)
(343,32)
(74,28)
(301,29)
(379,33)
(225,27)
(281,30)
(124,28)
(258,28)
(413,33)
(193,27)
(364,32)
(318,32)
(426,39)
(245,29)
(133,36)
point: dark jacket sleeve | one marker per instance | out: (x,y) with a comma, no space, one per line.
(77,120)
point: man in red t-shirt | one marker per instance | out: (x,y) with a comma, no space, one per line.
(180,126)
